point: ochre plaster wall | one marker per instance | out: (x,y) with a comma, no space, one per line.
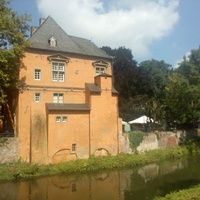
(78,70)
(104,119)
(61,135)
(41,139)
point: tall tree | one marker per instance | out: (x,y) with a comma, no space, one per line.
(183,95)
(152,78)
(181,102)
(13,34)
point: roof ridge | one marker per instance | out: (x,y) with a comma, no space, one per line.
(79,37)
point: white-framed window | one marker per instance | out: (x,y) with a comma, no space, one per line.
(64,119)
(58,98)
(100,70)
(58,72)
(58,119)
(61,119)
(37,74)
(37,97)
(73,147)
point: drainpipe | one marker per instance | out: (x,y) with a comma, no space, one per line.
(30,150)
(117,130)
(89,135)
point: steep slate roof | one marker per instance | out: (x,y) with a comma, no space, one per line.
(65,43)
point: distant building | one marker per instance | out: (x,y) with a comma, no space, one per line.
(67,107)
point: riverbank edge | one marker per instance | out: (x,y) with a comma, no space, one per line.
(22,170)
(186,194)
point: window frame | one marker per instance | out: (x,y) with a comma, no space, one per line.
(100,71)
(37,97)
(37,74)
(61,119)
(58,119)
(58,71)
(59,94)
(64,119)
(74,147)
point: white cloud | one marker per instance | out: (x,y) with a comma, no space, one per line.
(134,24)
(186,57)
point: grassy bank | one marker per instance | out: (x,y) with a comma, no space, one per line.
(188,194)
(20,170)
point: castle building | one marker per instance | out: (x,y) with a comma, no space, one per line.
(67,105)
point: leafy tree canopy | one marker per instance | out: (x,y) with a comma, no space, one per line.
(13,34)
(155,89)
(182,92)
(152,76)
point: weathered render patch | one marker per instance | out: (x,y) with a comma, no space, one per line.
(8,150)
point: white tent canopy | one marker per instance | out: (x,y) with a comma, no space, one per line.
(141,120)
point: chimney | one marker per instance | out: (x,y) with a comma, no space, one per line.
(41,21)
(33,29)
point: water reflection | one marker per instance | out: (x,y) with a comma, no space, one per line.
(142,183)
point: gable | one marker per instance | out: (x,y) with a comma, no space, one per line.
(100,63)
(58,57)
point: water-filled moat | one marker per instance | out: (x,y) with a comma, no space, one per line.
(146,182)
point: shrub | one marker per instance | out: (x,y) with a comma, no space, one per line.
(135,139)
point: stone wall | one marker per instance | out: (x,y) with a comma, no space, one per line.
(8,149)
(150,142)
(158,140)
(124,144)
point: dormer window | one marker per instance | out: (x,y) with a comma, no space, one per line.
(52,42)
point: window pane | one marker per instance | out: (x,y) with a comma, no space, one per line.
(55,76)
(61,67)
(60,98)
(61,77)
(55,98)
(55,66)
(102,70)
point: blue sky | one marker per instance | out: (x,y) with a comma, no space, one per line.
(159,29)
